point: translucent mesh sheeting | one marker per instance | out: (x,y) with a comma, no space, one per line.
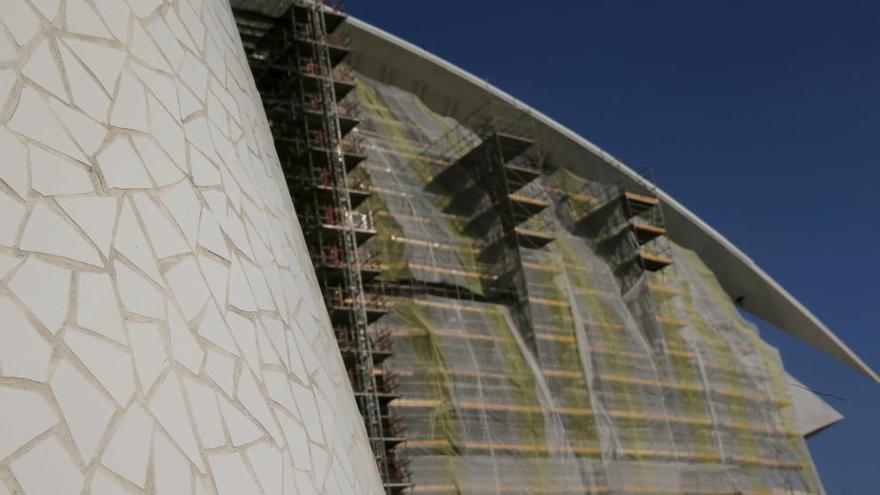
(660,389)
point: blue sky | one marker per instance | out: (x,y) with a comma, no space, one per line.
(761,117)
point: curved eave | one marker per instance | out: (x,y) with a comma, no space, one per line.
(451,91)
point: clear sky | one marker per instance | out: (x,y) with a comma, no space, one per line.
(762,117)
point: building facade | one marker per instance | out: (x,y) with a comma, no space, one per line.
(467,299)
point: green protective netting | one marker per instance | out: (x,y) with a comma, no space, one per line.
(660,389)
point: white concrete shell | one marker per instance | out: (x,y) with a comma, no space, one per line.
(161,330)
(451,91)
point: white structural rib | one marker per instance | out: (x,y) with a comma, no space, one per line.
(452,91)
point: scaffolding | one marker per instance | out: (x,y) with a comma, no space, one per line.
(296,60)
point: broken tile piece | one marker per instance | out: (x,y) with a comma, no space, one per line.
(157,161)
(103,61)
(131,243)
(32,118)
(241,429)
(121,167)
(14,171)
(128,452)
(21,21)
(164,236)
(87,133)
(98,307)
(55,175)
(138,294)
(96,215)
(130,105)
(42,68)
(88,94)
(86,410)
(209,425)
(24,416)
(110,365)
(169,408)
(45,289)
(46,231)
(171,471)
(220,369)
(188,286)
(24,353)
(231,475)
(82,19)
(149,353)
(47,468)
(184,347)
(11,214)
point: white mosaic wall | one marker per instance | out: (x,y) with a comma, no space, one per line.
(160,330)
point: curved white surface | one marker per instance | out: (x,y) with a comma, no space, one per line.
(452,91)
(161,330)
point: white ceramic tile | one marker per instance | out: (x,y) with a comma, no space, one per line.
(241,428)
(308,409)
(164,38)
(86,410)
(231,475)
(47,468)
(236,232)
(138,295)
(128,453)
(240,294)
(145,49)
(158,163)
(168,407)
(244,333)
(46,231)
(49,8)
(180,32)
(11,214)
(266,462)
(297,441)
(21,21)
(24,416)
(14,171)
(82,19)
(258,286)
(279,389)
(131,243)
(194,74)
(320,463)
(88,94)
(209,424)
(203,171)
(45,289)
(213,327)
(184,347)
(216,274)
(143,8)
(87,133)
(121,167)
(171,472)
(55,175)
(129,109)
(96,215)
(108,363)
(103,61)
(7,263)
(184,206)
(167,131)
(149,353)
(210,235)
(220,368)
(98,307)
(268,356)
(188,286)
(116,15)
(8,77)
(252,399)
(164,235)
(103,484)
(42,68)
(162,86)
(32,118)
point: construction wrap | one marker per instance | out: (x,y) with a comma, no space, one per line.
(589,385)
